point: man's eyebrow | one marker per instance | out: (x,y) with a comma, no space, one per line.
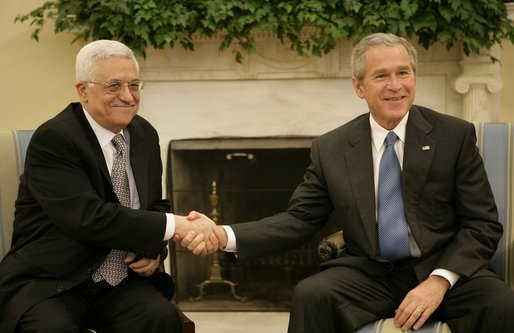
(405,67)
(378,71)
(384,70)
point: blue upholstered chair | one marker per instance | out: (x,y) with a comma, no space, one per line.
(496,143)
(13,146)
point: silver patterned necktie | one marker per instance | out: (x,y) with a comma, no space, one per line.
(392,224)
(113,270)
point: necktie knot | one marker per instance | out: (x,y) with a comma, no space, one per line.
(391,138)
(119,144)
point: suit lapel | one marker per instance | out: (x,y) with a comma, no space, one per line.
(359,161)
(93,142)
(138,161)
(420,147)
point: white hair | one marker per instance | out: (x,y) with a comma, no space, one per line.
(98,50)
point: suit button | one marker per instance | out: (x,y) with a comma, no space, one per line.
(60,289)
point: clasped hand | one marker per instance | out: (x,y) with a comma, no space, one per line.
(199,234)
(142,266)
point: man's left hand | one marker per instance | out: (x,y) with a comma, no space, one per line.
(144,266)
(419,303)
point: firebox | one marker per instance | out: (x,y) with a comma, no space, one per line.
(236,180)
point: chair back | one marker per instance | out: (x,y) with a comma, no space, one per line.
(495,141)
(13,147)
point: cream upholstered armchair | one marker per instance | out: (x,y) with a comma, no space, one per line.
(13,147)
(496,143)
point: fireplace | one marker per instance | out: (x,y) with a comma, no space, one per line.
(254,178)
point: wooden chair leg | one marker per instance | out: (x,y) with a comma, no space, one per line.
(188,326)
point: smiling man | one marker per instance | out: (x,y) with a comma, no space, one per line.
(91,227)
(409,190)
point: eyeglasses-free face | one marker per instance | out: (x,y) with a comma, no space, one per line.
(117,86)
(389,84)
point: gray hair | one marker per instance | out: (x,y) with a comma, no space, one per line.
(98,50)
(379,39)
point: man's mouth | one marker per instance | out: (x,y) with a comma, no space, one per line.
(394,99)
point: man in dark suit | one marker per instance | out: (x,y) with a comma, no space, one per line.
(448,222)
(91,227)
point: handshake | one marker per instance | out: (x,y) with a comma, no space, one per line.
(199,234)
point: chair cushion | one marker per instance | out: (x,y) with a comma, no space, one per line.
(387,326)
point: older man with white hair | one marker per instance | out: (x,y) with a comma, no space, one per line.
(91,227)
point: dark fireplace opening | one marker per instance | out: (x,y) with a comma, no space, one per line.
(253,178)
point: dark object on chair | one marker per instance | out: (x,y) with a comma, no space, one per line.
(331,246)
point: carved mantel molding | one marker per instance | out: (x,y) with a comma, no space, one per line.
(272,60)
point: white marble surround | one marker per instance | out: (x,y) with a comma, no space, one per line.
(206,93)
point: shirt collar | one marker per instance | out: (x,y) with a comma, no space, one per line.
(103,135)
(378,133)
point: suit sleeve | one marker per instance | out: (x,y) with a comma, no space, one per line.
(307,212)
(475,211)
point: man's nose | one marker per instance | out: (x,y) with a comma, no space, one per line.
(126,95)
(393,82)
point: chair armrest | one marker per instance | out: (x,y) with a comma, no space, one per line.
(331,246)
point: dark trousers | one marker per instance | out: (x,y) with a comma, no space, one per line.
(341,299)
(132,306)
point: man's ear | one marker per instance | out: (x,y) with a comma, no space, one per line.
(81,90)
(357,86)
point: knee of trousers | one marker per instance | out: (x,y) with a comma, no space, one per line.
(159,317)
(311,292)
(49,324)
(499,306)
(160,310)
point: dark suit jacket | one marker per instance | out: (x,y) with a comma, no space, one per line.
(448,200)
(68,217)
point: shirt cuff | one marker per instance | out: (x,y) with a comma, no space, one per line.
(231,244)
(170,226)
(450,276)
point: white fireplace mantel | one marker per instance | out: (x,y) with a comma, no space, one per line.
(274,92)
